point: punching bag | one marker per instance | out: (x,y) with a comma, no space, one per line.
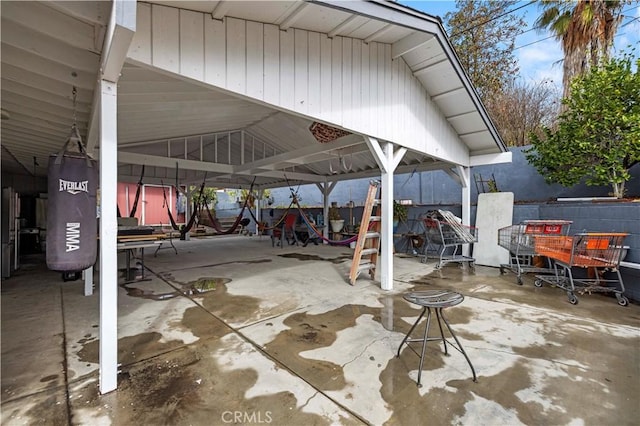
(71,222)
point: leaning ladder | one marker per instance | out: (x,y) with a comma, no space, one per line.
(365,256)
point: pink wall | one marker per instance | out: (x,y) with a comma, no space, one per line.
(151,209)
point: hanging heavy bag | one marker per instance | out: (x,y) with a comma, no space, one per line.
(71,222)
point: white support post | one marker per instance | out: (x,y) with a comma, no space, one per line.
(388,161)
(386,211)
(326,188)
(108,242)
(88,281)
(465,178)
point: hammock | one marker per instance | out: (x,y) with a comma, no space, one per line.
(138,189)
(174,225)
(239,221)
(192,219)
(262,227)
(310,225)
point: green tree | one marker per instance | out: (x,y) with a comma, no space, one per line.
(209,195)
(598,135)
(586,29)
(483,35)
(523,108)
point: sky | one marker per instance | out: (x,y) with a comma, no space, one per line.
(537,52)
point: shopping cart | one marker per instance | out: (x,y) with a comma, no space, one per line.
(444,241)
(597,253)
(519,240)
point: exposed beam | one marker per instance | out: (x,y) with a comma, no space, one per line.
(376,151)
(290,18)
(430,67)
(25,40)
(475,132)
(300,153)
(89,12)
(29,60)
(307,177)
(447,93)
(342,26)
(463,174)
(58,25)
(486,159)
(221,9)
(168,162)
(382,31)
(453,174)
(409,43)
(122,26)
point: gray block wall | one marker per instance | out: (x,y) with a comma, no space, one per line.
(534,199)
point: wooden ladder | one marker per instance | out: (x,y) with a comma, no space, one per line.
(365,256)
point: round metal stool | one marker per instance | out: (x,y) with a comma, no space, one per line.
(436,299)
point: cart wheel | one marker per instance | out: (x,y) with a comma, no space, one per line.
(519,280)
(423,260)
(622,301)
(437,266)
(573,299)
(537,283)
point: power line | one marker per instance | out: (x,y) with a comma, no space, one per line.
(479,24)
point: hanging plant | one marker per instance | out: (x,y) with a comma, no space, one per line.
(400,212)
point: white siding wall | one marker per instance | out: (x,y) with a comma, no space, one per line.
(342,80)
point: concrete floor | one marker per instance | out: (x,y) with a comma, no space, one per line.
(281,338)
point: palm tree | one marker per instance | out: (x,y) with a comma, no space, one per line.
(586,29)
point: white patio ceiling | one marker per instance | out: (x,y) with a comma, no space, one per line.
(49,47)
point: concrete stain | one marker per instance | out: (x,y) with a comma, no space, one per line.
(202,285)
(187,386)
(311,257)
(307,332)
(233,308)
(213,265)
(129,347)
(51,410)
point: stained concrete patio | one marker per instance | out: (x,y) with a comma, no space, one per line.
(283,339)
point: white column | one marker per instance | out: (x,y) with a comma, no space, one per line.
(386,211)
(326,188)
(108,242)
(87,274)
(465,175)
(388,161)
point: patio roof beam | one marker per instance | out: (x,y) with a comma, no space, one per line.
(299,154)
(292,16)
(170,162)
(382,31)
(409,43)
(220,10)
